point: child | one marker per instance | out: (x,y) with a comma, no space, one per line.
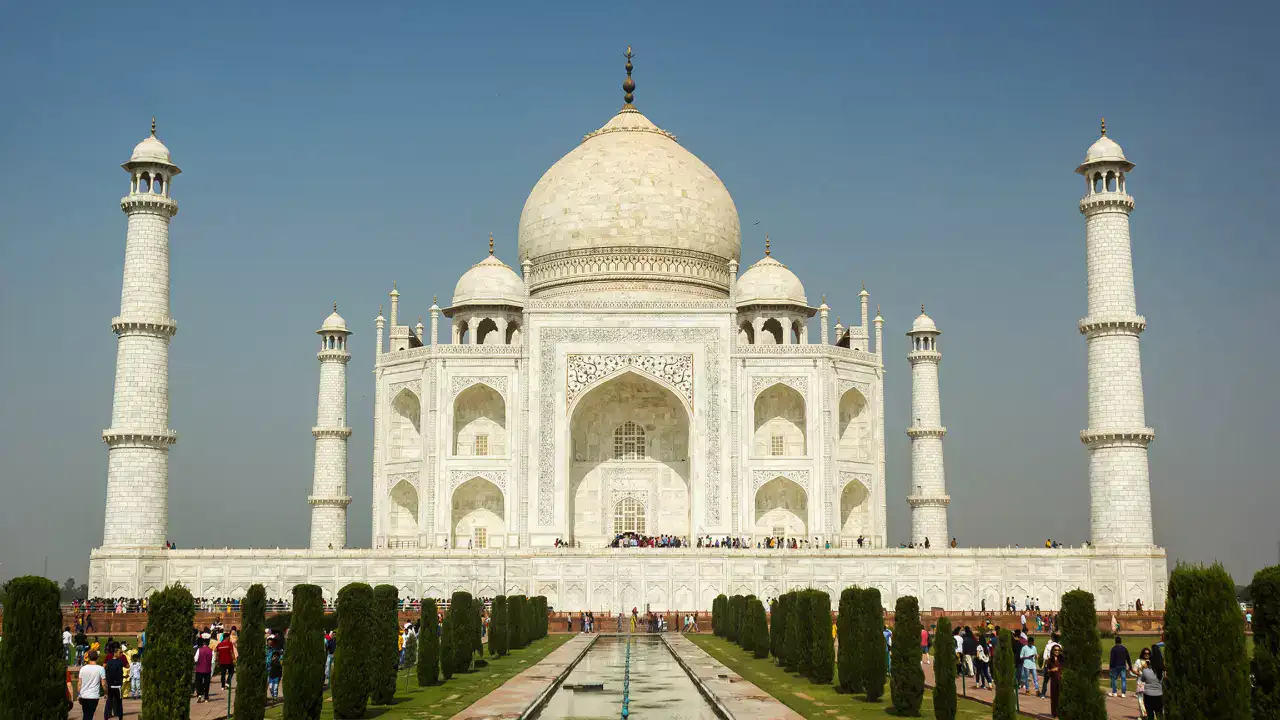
(273,674)
(135,675)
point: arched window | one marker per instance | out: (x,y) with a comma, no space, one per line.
(628,516)
(771,332)
(487,333)
(628,442)
(747,334)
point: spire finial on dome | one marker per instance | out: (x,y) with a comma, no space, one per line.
(153,126)
(434,299)
(335,306)
(628,85)
(824,298)
(490,243)
(921,308)
(766,245)
(379,310)
(1104,127)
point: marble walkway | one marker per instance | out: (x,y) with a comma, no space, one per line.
(736,696)
(518,694)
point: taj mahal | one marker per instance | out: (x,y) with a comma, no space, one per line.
(627,370)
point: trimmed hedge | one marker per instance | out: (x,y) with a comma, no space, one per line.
(498,627)
(793,642)
(804,633)
(747,625)
(540,620)
(874,658)
(518,616)
(1005,704)
(32,658)
(386,644)
(1081,659)
(428,644)
(761,629)
(776,623)
(719,608)
(458,621)
(304,657)
(1205,646)
(944,672)
(1265,591)
(353,664)
(850,680)
(166,674)
(822,653)
(251,666)
(906,680)
(737,604)
(280,622)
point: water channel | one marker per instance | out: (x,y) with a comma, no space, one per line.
(659,688)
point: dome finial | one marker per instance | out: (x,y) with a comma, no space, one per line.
(1104,127)
(335,306)
(490,243)
(766,245)
(628,85)
(153,126)
(824,298)
(435,299)
(921,308)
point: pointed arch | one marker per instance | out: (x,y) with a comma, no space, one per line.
(771,332)
(478,514)
(779,422)
(406,427)
(746,333)
(487,333)
(479,422)
(781,508)
(854,427)
(402,510)
(854,510)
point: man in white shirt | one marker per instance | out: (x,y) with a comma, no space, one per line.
(93,681)
(1048,649)
(66,643)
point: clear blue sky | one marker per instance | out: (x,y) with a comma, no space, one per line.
(328,149)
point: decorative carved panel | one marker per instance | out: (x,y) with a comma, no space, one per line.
(585,370)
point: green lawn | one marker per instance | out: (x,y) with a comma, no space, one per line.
(816,701)
(448,699)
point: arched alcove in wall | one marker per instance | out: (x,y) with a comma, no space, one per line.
(479,422)
(779,422)
(854,427)
(746,333)
(402,511)
(771,332)
(406,427)
(487,333)
(629,437)
(478,514)
(854,516)
(782,508)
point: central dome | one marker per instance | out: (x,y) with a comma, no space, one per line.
(629,213)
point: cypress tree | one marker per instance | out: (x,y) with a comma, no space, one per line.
(458,621)
(944,673)
(251,666)
(873,656)
(845,665)
(776,623)
(428,644)
(822,652)
(1081,656)
(906,682)
(516,618)
(761,635)
(731,629)
(541,616)
(1005,705)
(1265,591)
(304,660)
(793,641)
(386,644)
(804,633)
(446,647)
(717,614)
(1205,646)
(32,658)
(353,664)
(498,627)
(166,674)
(746,636)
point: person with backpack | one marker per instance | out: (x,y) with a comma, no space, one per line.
(274,673)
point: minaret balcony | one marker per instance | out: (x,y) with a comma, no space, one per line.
(919,432)
(167,327)
(149,201)
(342,432)
(916,501)
(1117,437)
(916,356)
(1112,324)
(338,502)
(341,356)
(139,438)
(1106,201)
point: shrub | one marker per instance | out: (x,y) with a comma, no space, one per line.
(944,673)
(166,674)
(1205,646)
(1081,656)
(718,610)
(304,656)
(457,622)
(906,682)
(822,655)
(804,633)
(746,636)
(735,609)
(1265,591)
(776,624)
(517,617)
(447,652)
(793,642)
(251,666)
(386,644)
(32,658)
(498,627)
(1005,704)
(849,679)
(761,634)
(279,623)
(353,664)
(874,655)
(540,616)
(429,644)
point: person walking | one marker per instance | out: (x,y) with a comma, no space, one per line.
(924,646)
(1153,685)
(113,669)
(1120,665)
(93,683)
(274,671)
(980,660)
(204,669)
(1053,678)
(226,652)
(1028,655)
(1144,659)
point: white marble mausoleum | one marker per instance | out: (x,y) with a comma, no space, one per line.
(629,370)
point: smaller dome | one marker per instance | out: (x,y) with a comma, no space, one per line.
(151,150)
(490,282)
(334,322)
(769,282)
(923,323)
(1104,150)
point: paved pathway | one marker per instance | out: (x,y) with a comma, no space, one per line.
(215,709)
(514,696)
(1117,707)
(738,697)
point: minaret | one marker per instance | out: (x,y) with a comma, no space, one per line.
(139,437)
(824,331)
(864,297)
(379,323)
(1119,480)
(928,496)
(879,321)
(329,497)
(435,320)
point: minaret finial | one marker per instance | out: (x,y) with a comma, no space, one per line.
(335,306)
(766,245)
(393,284)
(153,126)
(921,308)
(490,243)
(628,85)
(1104,127)
(379,310)
(824,298)
(434,299)
(864,284)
